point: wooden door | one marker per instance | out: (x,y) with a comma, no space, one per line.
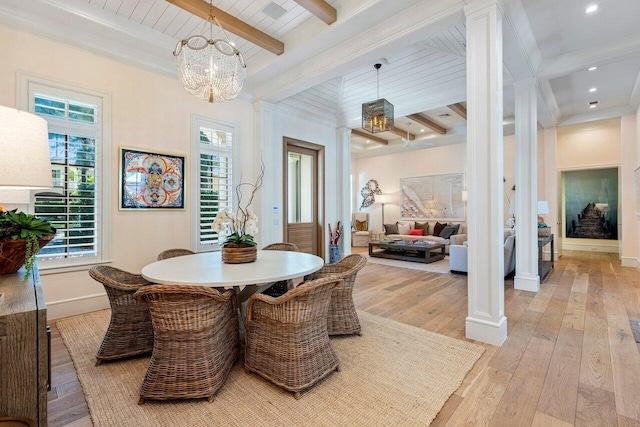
(302,219)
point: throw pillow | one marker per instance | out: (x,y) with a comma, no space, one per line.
(423,226)
(449,230)
(403,228)
(437,229)
(391,229)
(362,225)
(416,232)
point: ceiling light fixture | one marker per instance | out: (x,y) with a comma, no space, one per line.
(593,104)
(377,116)
(421,130)
(592,8)
(213,70)
(593,68)
(593,89)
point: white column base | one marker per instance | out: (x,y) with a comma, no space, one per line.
(526,283)
(489,332)
(630,262)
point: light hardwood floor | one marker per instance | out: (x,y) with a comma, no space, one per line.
(570,357)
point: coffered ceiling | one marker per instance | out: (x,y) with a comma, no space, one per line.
(328,71)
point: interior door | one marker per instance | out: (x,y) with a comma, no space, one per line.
(301,195)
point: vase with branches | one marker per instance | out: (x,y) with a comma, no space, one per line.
(243,223)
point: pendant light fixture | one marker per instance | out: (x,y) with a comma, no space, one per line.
(377,116)
(213,70)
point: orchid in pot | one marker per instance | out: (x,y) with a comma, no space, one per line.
(240,246)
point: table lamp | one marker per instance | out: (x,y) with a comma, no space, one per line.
(24,143)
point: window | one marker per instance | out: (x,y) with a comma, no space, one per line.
(78,203)
(213,147)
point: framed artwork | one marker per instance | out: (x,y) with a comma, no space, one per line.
(637,188)
(151,180)
(432,197)
(591,204)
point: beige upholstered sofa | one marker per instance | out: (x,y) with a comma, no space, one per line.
(360,238)
(458,257)
(429,237)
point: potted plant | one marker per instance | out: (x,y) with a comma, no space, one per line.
(239,247)
(22,236)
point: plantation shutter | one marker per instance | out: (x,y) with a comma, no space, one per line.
(215,180)
(71,205)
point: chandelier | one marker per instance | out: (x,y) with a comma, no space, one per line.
(377,116)
(213,70)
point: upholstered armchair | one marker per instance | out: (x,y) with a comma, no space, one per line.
(361,233)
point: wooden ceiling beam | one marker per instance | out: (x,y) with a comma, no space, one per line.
(321,9)
(459,110)
(232,24)
(428,123)
(367,135)
(402,133)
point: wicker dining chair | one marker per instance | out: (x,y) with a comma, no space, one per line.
(196,341)
(286,339)
(130,332)
(279,288)
(343,318)
(172,253)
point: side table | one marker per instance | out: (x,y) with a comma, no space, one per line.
(545,267)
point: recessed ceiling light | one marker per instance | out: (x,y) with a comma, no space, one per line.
(421,130)
(592,8)
(593,89)
(593,68)
(368,141)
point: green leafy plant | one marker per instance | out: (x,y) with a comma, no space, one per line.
(16,225)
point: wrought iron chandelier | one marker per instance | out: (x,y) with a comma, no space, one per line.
(377,116)
(213,70)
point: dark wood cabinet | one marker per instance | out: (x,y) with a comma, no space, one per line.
(24,362)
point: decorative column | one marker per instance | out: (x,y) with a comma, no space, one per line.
(526,167)
(343,139)
(551,186)
(485,321)
(268,203)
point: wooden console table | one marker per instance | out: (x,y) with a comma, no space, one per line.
(24,362)
(545,267)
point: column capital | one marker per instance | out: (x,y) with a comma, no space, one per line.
(262,105)
(526,84)
(478,6)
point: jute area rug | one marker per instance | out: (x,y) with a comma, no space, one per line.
(394,374)
(441,266)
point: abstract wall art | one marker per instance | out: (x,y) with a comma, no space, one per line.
(151,180)
(432,197)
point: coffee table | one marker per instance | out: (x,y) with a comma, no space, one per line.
(426,252)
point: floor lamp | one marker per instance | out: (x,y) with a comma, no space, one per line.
(383,198)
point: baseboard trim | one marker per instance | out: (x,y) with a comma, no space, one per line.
(489,332)
(526,283)
(630,262)
(589,248)
(73,306)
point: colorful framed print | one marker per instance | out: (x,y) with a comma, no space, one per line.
(151,180)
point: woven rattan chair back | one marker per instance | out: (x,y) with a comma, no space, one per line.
(281,246)
(279,288)
(130,332)
(172,253)
(286,339)
(196,341)
(343,318)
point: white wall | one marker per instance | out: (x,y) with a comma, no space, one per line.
(629,222)
(584,146)
(284,121)
(388,170)
(149,111)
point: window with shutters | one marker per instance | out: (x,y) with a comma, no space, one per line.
(76,204)
(214,190)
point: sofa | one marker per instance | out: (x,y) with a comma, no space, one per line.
(458,253)
(428,232)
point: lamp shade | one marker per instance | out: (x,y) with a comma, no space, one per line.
(543,207)
(464,195)
(24,148)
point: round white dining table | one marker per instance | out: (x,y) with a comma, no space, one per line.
(207,269)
